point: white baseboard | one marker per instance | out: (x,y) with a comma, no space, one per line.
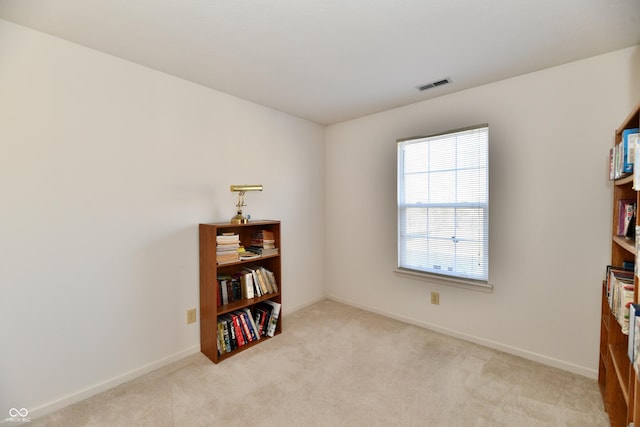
(550,361)
(106,385)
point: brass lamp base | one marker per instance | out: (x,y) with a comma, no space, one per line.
(239,219)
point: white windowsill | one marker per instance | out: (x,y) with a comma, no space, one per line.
(445,280)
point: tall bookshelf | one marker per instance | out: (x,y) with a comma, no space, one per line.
(210,310)
(616,377)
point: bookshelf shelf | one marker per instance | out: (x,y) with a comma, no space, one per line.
(240,349)
(626,244)
(624,180)
(214,313)
(237,305)
(616,377)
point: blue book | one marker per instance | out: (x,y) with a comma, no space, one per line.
(628,149)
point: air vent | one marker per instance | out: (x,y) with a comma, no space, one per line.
(434,84)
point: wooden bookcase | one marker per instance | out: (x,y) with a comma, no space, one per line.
(209,271)
(616,377)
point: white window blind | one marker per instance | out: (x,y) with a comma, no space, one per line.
(443,204)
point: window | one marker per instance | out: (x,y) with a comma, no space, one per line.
(443,204)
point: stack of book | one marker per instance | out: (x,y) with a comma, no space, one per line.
(241,327)
(620,288)
(263,242)
(227,245)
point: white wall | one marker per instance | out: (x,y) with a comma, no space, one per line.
(549,209)
(106,168)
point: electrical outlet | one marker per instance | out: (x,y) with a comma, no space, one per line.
(191,316)
(435,298)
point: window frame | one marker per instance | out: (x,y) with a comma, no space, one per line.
(456,280)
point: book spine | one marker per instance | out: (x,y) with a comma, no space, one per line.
(245,328)
(273,318)
(233,337)
(251,324)
(242,339)
(222,347)
(227,335)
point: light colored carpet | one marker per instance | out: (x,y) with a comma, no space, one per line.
(336,365)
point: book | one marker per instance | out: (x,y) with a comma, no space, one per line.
(612,174)
(626,299)
(222,285)
(628,142)
(246,281)
(262,313)
(222,347)
(243,327)
(263,251)
(636,344)
(634,311)
(236,332)
(636,161)
(629,265)
(227,257)
(637,247)
(630,232)
(626,211)
(264,281)
(273,318)
(272,279)
(249,255)
(233,247)
(227,238)
(226,334)
(252,323)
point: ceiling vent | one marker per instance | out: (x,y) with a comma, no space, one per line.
(434,84)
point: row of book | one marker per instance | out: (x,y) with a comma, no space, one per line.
(620,288)
(623,155)
(246,283)
(230,249)
(241,327)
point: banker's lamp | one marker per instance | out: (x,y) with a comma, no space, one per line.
(241,189)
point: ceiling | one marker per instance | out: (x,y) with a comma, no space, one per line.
(333,60)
